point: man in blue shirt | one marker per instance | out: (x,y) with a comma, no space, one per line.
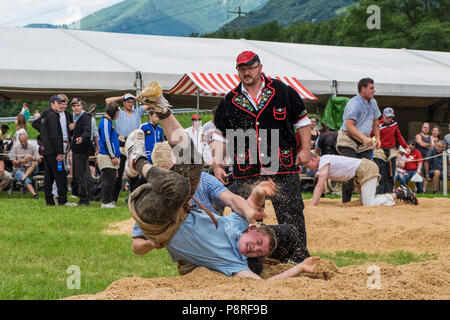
(128,119)
(109,154)
(153,133)
(195,235)
(360,118)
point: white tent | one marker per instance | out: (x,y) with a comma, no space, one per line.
(39,62)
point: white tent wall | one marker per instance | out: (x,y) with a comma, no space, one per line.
(100,63)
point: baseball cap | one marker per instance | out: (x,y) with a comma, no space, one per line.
(247,57)
(128,96)
(196,117)
(75,100)
(55,98)
(388,112)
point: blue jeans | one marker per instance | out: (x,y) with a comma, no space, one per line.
(404,180)
(20,173)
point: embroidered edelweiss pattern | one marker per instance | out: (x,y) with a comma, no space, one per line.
(242,101)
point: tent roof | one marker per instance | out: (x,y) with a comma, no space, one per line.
(217,84)
(50,59)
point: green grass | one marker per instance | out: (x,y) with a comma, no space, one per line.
(346,258)
(39,243)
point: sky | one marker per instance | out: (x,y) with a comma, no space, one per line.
(22,12)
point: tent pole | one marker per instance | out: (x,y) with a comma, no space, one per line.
(444,169)
(198,100)
(334,88)
(138,86)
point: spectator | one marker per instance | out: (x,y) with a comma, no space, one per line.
(360,117)
(94,139)
(435,134)
(423,140)
(129,119)
(21,127)
(413,165)
(385,157)
(5,176)
(52,140)
(41,152)
(326,144)
(66,119)
(314,133)
(195,132)
(25,159)
(25,111)
(81,144)
(5,146)
(447,139)
(109,154)
(153,133)
(433,166)
(400,172)
(209,128)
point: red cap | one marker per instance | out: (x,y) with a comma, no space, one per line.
(196,117)
(247,57)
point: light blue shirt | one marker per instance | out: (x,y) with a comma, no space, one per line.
(125,124)
(362,112)
(77,116)
(199,242)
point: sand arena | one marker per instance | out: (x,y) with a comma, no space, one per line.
(331,227)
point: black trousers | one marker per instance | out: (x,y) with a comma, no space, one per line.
(108,177)
(118,183)
(80,166)
(288,205)
(348,186)
(387,172)
(51,174)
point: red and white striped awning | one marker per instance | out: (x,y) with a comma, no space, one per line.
(218,84)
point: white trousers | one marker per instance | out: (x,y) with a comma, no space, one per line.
(369,198)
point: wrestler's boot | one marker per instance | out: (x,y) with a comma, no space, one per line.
(405,193)
(135,147)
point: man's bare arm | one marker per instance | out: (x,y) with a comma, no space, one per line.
(376,132)
(306,265)
(113,99)
(304,155)
(246,274)
(354,132)
(240,206)
(323,176)
(421,143)
(142,246)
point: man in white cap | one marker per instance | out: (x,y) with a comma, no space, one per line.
(386,156)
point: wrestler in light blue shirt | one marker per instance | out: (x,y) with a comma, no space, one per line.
(198,241)
(362,112)
(125,124)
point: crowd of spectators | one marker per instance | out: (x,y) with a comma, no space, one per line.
(70,144)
